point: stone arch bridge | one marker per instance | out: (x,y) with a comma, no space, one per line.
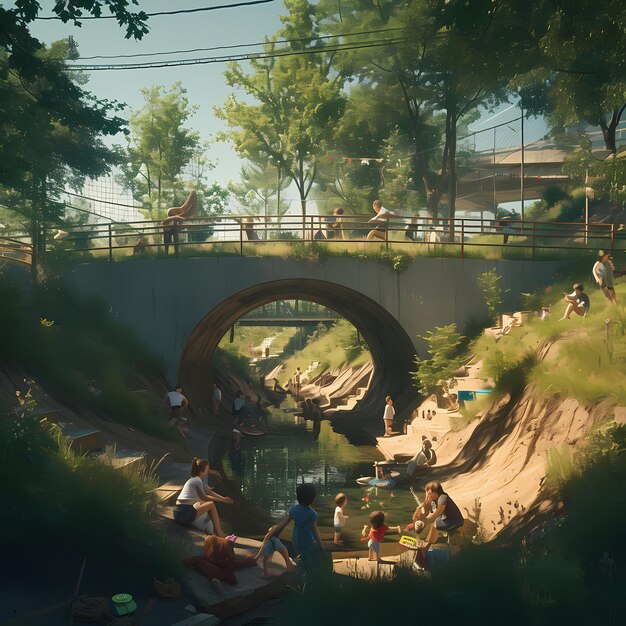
(181,308)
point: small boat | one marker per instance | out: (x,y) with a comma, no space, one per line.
(383,481)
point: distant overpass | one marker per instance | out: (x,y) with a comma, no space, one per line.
(488,178)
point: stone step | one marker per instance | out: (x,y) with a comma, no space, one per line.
(82,439)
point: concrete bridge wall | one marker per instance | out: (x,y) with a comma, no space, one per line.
(165,302)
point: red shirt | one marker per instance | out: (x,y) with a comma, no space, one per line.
(378,534)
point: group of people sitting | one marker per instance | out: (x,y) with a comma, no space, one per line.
(197,503)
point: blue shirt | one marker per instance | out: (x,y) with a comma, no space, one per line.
(303,537)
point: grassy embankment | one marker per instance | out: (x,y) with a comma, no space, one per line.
(578,365)
(65,343)
(571,572)
(61,507)
(337,346)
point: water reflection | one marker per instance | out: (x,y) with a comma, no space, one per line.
(268,469)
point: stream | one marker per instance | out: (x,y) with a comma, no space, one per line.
(267,470)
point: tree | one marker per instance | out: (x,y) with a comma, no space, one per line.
(50,128)
(257,191)
(581,68)
(434,76)
(295,103)
(432,375)
(159,147)
(50,135)
(489,285)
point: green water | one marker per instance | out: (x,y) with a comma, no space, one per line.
(269,468)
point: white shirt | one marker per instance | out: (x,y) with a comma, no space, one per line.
(389,412)
(339,518)
(238,403)
(217,394)
(189,492)
(175,398)
(384,213)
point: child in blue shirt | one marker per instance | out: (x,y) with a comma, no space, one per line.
(306,537)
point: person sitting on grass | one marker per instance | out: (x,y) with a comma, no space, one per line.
(306,538)
(439,508)
(196,499)
(376,533)
(577,302)
(267,549)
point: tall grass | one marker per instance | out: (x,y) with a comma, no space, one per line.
(61,507)
(65,342)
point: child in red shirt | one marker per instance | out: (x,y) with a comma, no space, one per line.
(376,534)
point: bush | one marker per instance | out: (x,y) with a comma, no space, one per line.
(433,374)
(68,507)
(489,284)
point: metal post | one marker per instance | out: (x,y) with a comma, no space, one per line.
(462,238)
(586,206)
(387,235)
(110,243)
(493,176)
(612,237)
(534,226)
(240,236)
(522,165)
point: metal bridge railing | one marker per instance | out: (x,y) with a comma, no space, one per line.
(241,234)
(15,251)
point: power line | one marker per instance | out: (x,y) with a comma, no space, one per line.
(242,45)
(236,57)
(159,13)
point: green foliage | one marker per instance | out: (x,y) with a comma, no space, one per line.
(292,103)
(164,159)
(433,374)
(82,345)
(489,284)
(91,510)
(258,189)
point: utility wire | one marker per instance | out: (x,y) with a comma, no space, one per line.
(159,13)
(236,57)
(241,45)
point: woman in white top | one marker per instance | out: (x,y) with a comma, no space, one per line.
(196,499)
(388,415)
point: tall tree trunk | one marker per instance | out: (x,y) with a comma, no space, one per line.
(608,130)
(451,142)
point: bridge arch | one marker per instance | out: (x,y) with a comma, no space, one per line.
(392,350)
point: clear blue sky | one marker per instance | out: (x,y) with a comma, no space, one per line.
(205,83)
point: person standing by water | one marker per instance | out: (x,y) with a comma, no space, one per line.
(217,398)
(196,499)
(297,377)
(388,416)
(306,538)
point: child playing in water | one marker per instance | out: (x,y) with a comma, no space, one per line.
(376,534)
(306,538)
(339,521)
(267,549)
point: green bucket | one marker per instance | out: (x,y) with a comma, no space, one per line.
(123,604)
